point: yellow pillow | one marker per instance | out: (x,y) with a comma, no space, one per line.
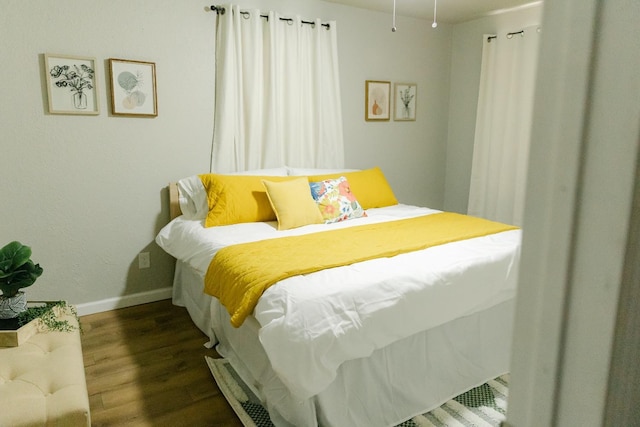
(292,202)
(233,199)
(369,186)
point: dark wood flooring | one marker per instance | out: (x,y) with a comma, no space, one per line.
(145,367)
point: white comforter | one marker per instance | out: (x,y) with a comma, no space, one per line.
(313,323)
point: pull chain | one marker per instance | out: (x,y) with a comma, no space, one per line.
(435,10)
(393,27)
(435,16)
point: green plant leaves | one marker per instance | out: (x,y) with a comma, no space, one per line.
(16,269)
(13,255)
(49,315)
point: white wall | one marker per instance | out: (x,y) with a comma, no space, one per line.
(87,192)
(466,60)
(412,154)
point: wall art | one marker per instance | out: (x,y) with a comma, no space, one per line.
(377,100)
(133,88)
(405,101)
(71,84)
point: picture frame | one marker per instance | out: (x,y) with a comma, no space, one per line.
(72,84)
(133,88)
(405,101)
(377,100)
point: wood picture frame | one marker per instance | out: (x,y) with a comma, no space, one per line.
(133,88)
(377,100)
(72,86)
(405,101)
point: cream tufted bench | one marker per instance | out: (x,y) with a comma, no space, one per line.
(42,382)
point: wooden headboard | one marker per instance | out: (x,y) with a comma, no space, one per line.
(174,203)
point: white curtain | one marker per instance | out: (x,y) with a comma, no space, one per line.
(277,93)
(503,124)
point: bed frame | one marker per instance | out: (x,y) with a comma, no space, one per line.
(174,202)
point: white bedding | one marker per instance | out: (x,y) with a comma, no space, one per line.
(409,377)
(310,325)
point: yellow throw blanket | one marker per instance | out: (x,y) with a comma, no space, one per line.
(239,274)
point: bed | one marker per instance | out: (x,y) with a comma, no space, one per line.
(371,343)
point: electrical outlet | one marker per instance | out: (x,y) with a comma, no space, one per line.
(144,261)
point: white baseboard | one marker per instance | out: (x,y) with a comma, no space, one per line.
(123,301)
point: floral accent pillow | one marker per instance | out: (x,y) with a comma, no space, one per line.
(335,200)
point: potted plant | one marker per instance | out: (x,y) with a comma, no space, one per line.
(17,271)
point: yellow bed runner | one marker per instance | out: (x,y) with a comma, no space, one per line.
(239,274)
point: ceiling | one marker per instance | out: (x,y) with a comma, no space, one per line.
(450,11)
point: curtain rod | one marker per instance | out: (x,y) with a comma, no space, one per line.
(509,35)
(221,11)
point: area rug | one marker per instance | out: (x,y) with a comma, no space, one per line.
(483,406)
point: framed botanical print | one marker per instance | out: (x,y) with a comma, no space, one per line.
(71,84)
(405,101)
(133,88)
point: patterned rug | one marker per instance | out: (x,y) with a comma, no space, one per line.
(483,406)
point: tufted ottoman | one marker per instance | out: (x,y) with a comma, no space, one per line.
(42,381)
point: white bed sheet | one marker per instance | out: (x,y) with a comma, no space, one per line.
(409,377)
(310,325)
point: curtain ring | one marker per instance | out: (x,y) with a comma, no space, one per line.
(245,14)
(218,9)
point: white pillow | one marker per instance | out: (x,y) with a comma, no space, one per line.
(313,171)
(193,197)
